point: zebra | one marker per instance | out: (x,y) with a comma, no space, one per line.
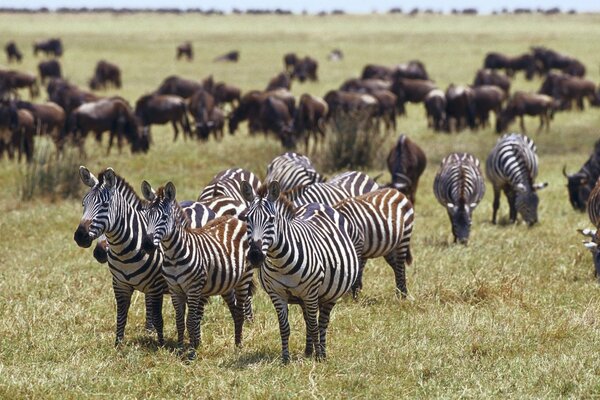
(227,183)
(512,166)
(292,170)
(459,187)
(111,207)
(381,226)
(198,262)
(305,256)
(338,188)
(593,210)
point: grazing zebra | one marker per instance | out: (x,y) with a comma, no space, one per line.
(593,209)
(111,207)
(381,225)
(292,170)
(305,256)
(338,188)
(198,263)
(227,183)
(512,166)
(459,187)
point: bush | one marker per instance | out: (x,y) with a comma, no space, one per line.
(353,142)
(51,175)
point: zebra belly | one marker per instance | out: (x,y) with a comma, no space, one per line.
(289,287)
(144,275)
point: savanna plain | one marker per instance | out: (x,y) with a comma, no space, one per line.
(514,314)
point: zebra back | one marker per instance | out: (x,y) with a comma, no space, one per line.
(292,170)
(354,183)
(459,180)
(513,160)
(228,183)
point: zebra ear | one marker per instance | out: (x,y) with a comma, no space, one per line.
(170,191)
(247,191)
(147,191)
(87,177)
(110,179)
(274,191)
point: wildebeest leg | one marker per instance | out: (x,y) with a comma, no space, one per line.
(110,141)
(187,130)
(174,123)
(522,123)
(496,204)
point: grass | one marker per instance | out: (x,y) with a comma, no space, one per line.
(515,314)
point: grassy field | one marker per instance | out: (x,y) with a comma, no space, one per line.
(515,314)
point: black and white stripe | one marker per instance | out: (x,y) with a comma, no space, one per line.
(306,257)
(227,183)
(512,166)
(459,187)
(292,170)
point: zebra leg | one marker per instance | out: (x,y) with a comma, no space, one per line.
(396,259)
(496,204)
(196,304)
(123,298)
(310,345)
(149,325)
(157,319)
(179,301)
(324,312)
(512,207)
(281,307)
(310,309)
(357,286)
(241,297)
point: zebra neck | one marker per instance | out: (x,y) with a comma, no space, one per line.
(126,226)
(285,243)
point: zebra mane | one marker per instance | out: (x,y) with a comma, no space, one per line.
(284,205)
(126,191)
(181,218)
(518,148)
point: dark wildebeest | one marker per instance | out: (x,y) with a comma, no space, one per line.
(159,109)
(365,85)
(184,88)
(12,52)
(435,109)
(581,183)
(113,115)
(49,119)
(568,89)
(201,106)
(335,55)
(485,99)
(459,108)
(250,106)
(225,93)
(414,69)
(232,56)
(524,62)
(67,95)
(348,102)
(306,68)
(411,90)
(386,109)
(106,73)
(406,162)
(521,104)
(280,81)
(50,46)
(492,77)
(17,128)
(185,49)
(275,117)
(11,81)
(310,118)
(372,71)
(289,62)
(548,59)
(49,69)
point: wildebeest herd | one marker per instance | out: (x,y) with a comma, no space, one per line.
(307,237)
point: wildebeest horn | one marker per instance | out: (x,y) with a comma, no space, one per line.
(377,177)
(587,232)
(565,171)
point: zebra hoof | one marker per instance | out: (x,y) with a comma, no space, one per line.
(285,359)
(118,342)
(191,356)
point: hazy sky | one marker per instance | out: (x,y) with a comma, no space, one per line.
(312,5)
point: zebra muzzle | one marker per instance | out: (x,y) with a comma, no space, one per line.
(82,235)
(255,254)
(148,243)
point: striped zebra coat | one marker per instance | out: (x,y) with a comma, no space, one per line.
(199,263)
(593,209)
(512,166)
(292,170)
(338,188)
(111,207)
(459,187)
(381,224)
(227,184)
(306,257)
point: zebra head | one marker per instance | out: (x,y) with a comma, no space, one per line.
(460,218)
(260,218)
(160,214)
(527,200)
(96,205)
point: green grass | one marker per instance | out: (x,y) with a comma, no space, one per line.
(515,314)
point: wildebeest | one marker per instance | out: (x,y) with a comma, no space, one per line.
(225,93)
(12,52)
(414,69)
(185,49)
(339,101)
(386,107)
(306,68)
(411,90)
(548,59)
(11,81)
(275,116)
(67,95)
(50,46)
(106,74)
(335,55)
(372,71)
(310,118)
(289,61)
(184,88)
(280,81)
(524,62)
(522,103)
(435,109)
(406,162)
(111,114)
(159,109)
(581,183)
(568,89)
(232,56)
(17,128)
(487,98)
(460,111)
(49,119)
(49,69)
(201,106)
(492,77)
(365,85)
(250,106)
